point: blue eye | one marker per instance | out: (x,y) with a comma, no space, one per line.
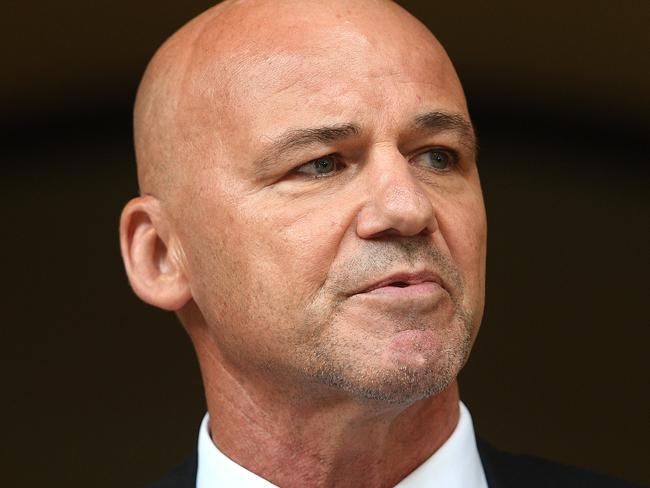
(437,159)
(325,166)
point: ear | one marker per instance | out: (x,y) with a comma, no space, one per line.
(152,256)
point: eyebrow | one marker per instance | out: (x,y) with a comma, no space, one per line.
(448,122)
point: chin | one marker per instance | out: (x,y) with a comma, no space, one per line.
(395,381)
(405,386)
(401,367)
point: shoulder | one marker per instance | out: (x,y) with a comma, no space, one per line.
(505,470)
(182,476)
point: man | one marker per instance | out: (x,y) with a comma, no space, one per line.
(311,209)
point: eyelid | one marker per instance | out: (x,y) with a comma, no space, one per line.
(454,155)
(338,161)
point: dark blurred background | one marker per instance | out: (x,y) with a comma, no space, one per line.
(100,388)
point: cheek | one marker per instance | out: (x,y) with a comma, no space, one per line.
(216,257)
(462,223)
(299,246)
(283,254)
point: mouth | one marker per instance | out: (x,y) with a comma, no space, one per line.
(405,284)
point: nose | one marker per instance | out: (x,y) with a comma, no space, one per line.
(396,203)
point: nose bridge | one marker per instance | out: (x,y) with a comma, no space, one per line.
(395,187)
(396,201)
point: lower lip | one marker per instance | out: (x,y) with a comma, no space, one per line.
(417,289)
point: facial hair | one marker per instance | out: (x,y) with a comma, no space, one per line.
(340,361)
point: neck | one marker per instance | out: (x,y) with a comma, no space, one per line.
(299,438)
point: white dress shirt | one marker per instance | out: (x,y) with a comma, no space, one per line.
(456,464)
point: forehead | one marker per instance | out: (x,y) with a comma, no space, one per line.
(345,77)
(377,68)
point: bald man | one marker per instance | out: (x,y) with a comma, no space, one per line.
(311,210)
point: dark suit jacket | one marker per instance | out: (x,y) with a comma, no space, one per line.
(503,470)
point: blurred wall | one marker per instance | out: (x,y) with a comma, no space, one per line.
(101,388)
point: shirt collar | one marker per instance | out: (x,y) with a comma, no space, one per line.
(456,464)
(217,469)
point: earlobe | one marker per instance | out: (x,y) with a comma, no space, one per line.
(150,254)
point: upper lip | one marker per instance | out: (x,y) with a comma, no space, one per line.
(410,278)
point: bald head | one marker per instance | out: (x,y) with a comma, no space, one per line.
(295,152)
(188,100)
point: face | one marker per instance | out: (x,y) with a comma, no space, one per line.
(335,229)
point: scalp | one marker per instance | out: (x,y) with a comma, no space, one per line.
(191,84)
